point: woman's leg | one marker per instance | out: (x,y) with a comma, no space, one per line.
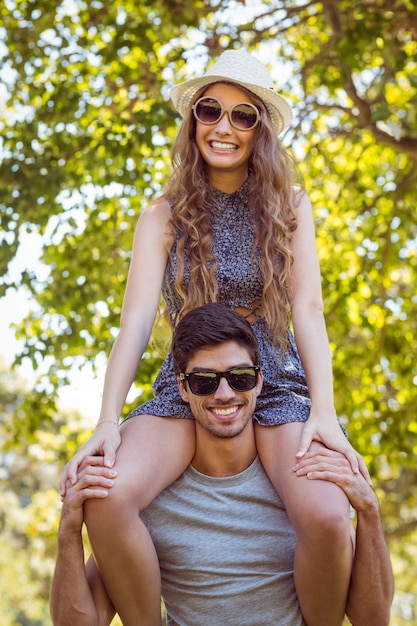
(154,452)
(319,512)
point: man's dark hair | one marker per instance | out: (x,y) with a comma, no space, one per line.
(211,325)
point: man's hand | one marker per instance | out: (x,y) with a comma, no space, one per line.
(78,595)
(372,584)
(103,443)
(326,464)
(94,481)
(329,434)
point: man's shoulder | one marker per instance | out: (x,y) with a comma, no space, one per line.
(252,481)
(248,493)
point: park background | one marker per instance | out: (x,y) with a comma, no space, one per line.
(85,132)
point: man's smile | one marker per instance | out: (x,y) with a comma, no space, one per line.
(225,411)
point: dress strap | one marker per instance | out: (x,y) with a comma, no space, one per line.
(252,312)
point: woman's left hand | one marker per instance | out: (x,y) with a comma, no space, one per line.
(328,432)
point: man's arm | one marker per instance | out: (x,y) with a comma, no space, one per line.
(372,587)
(78,595)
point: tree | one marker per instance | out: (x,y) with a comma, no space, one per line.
(85,144)
(30,506)
(86,137)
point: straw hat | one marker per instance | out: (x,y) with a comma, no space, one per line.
(240,67)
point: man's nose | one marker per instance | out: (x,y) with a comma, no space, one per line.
(224,390)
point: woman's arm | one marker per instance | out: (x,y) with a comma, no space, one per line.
(312,340)
(140,304)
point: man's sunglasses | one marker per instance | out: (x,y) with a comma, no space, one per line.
(243,116)
(206,383)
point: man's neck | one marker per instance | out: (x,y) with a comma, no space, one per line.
(220,457)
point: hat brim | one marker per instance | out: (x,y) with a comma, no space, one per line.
(182,96)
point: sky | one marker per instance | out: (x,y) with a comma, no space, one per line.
(84,393)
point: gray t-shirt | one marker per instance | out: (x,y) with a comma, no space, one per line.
(226,551)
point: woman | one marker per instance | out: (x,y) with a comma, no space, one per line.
(232,226)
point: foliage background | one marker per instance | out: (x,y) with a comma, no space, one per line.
(85,131)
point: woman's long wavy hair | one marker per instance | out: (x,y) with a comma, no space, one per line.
(274,191)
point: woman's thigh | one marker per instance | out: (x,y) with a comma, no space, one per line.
(153,453)
(306,500)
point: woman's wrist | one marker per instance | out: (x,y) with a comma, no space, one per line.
(106,420)
(322,412)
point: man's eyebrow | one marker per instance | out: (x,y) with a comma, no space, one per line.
(210,369)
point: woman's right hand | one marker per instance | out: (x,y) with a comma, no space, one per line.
(104,442)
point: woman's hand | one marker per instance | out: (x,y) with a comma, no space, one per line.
(325,464)
(104,442)
(328,432)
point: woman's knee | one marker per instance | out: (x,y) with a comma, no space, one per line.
(327,521)
(113,509)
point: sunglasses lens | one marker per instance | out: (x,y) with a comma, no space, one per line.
(203,383)
(208,111)
(239,379)
(244,116)
(242,379)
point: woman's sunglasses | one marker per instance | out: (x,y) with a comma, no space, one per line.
(206,383)
(243,116)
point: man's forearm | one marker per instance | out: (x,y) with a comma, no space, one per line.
(372,587)
(71,598)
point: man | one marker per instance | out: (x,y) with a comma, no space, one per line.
(222,536)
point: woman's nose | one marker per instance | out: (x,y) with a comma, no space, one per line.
(223,125)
